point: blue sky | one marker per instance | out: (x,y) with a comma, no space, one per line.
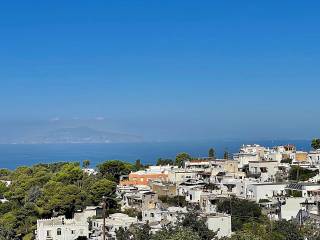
(165,70)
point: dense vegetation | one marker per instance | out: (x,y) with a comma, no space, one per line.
(212,153)
(45,190)
(181,158)
(249,223)
(298,173)
(164,162)
(279,230)
(242,211)
(190,227)
(315,144)
(174,201)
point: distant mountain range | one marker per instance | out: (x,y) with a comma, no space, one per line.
(78,135)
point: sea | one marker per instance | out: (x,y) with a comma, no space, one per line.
(16,155)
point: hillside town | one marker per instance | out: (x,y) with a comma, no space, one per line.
(283,181)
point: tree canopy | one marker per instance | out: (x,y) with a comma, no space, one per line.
(115,168)
(44,190)
(242,211)
(298,173)
(86,163)
(181,158)
(212,153)
(164,162)
(315,144)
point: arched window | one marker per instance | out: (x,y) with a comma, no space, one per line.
(59,231)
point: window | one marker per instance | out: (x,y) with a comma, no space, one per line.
(48,233)
(59,231)
(152,214)
(73,232)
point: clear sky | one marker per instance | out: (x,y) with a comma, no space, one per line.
(165,70)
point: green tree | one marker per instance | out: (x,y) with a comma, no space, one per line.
(164,162)
(26,219)
(3,189)
(244,235)
(141,233)
(242,211)
(254,230)
(8,224)
(70,173)
(174,201)
(197,225)
(6,207)
(115,168)
(34,193)
(4,173)
(132,212)
(288,230)
(315,144)
(177,234)
(298,173)
(122,234)
(184,234)
(61,198)
(212,153)
(226,155)
(138,165)
(181,158)
(310,231)
(86,163)
(100,188)
(43,189)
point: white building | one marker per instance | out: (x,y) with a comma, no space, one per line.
(198,165)
(220,223)
(171,214)
(60,228)
(274,156)
(264,170)
(90,171)
(257,191)
(290,207)
(314,157)
(180,175)
(142,199)
(244,158)
(241,185)
(193,195)
(255,149)
(113,223)
(3,200)
(157,169)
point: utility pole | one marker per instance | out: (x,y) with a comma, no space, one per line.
(230,205)
(279,207)
(104,207)
(298,169)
